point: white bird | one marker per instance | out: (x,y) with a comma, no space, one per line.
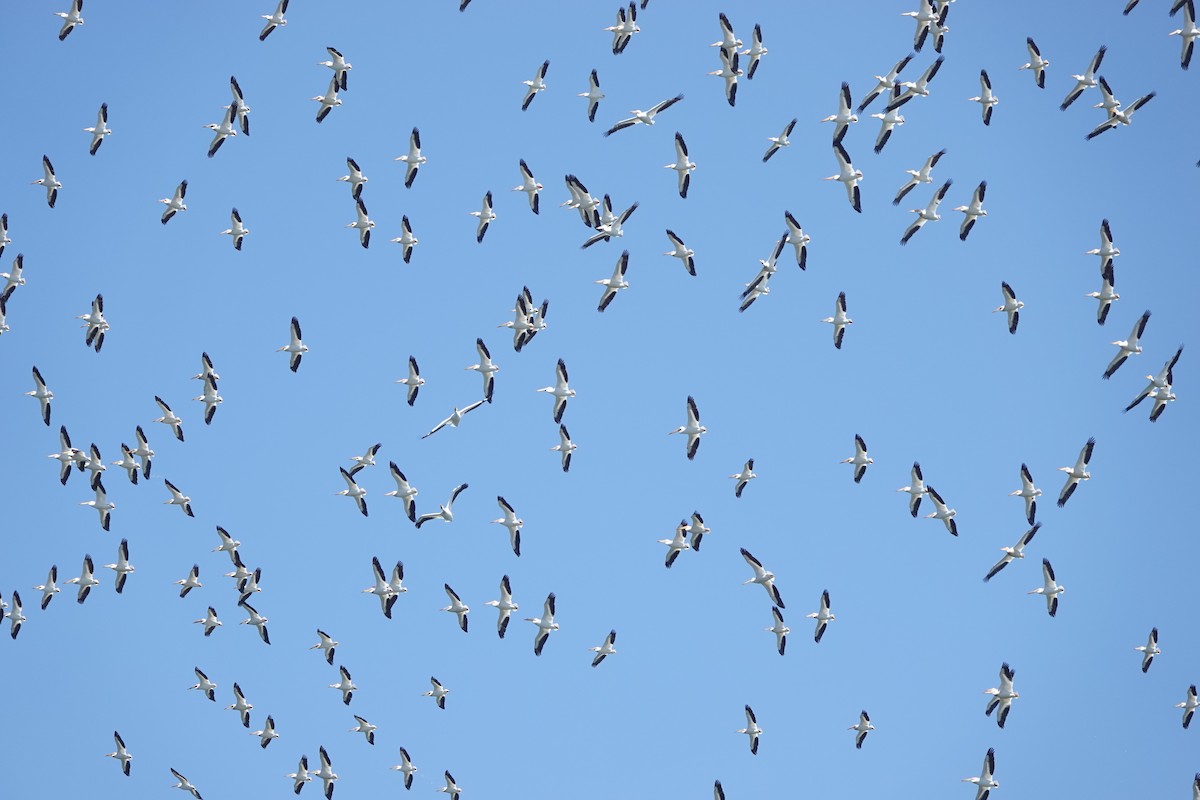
(781,140)
(1085,81)
(169,418)
(327,644)
(257,620)
(174,203)
(611,285)
(1002,696)
(581,200)
(95,323)
(1189,706)
(353,490)
(561,391)
(923,16)
(236,229)
(730,72)
(50,587)
(942,511)
(451,788)
(240,573)
(1163,380)
(1118,116)
(485,215)
(644,117)
(1012,306)
(295,348)
(406,768)
(565,447)
(4,240)
(210,398)
(92,462)
(326,774)
(328,101)
(344,685)
(682,252)
(779,629)
(1107,251)
(192,581)
(678,543)
(457,607)
(919,87)
(240,705)
(1106,295)
(848,175)
(15,615)
(49,181)
(70,19)
(697,529)
(406,238)
(538,84)
(842,119)
(545,624)
(863,727)
(752,730)
(759,287)
(798,239)
(210,621)
(240,109)
(938,27)
(889,119)
(744,477)
(1076,473)
(1128,347)
(884,83)
(683,165)
(228,544)
(756,51)
(178,498)
(122,567)
(184,783)
(367,459)
(984,782)
(763,578)
(338,64)
(381,588)
(839,320)
(860,459)
(224,129)
(1036,63)
(67,456)
(121,754)
(365,728)
(692,429)
(486,368)
(927,214)
(511,522)
(355,178)
(1016,551)
(404,492)
(624,29)
(267,733)
(608,230)
(438,693)
(362,223)
(923,175)
(1029,493)
(100,130)
(206,687)
(605,649)
(1188,33)
(530,186)
(593,95)
(1049,589)
(43,394)
(505,605)
(413,159)
(973,212)
(986,99)
(454,419)
(102,504)
(1150,650)
(822,616)
(275,20)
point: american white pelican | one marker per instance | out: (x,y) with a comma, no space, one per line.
(236,229)
(683,165)
(1118,116)
(50,587)
(396,582)
(593,95)
(224,129)
(43,394)
(624,29)
(267,733)
(611,285)
(257,620)
(1106,295)
(763,578)
(1107,251)
(938,27)
(744,477)
(923,175)
(942,511)
(973,212)
(1189,706)
(756,51)
(327,644)
(70,19)
(565,447)
(248,584)
(121,754)
(295,348)
(206,369)
(362,223)
(344,685)
(986,99)
(451,788)
(1085,81)
(505,605)
(486,368)
(530,186)
(1188,33)
(752,730)
(757,288)
(92,462)
(353,490)
(884,83)
(192,581)
(67,457)
(842,119)
(1036,63)
(328,100)
(1002,696)
(169,418)
(413,159)
(326,774)
(922,16)
(682,252)
(367,459)
(545,624)
(49,181)
(178,498)
(102,504)
(95,323)
(644,117)
(839,320)
(15,278)
(210,398)
(779,629)
(581,200)
(538,84)
(729,41)
(1016,551)
(511,522)
(184,783)
(15,615)
(406,767)
(797,238)
(863,727)
(4,240)
(605,649)
(122,567)
(457,607)
(240,572)
(848,175)
(209,621)
(275,20)
(1012,306)
(919,87)
(240,705)
(984,782)
(860,459)
(354,177)
(240,109)
(404,491)
(485,215)
(455,418)
(1163,380)
(338,64)
(1029,493)
(609,230)
(438,692)
(206,687)
(1150,650)
(381,588)
(1049,589)
(406,238)
(889,119)
(927,214)
(228,543)
(822,616)
(677,543)
(779,141)
(561,391)
(1128,347)
(730,72)
(100,130)
(697,529)
(365,728)
(692,429)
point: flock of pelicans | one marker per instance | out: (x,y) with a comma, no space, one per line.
(529,319)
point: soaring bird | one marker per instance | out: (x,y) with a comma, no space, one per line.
(512,522)
(457,607)
(613,284)
(848,175)
(860,459)
(169,418)
(1035,63)
(751,730)
(1162,381)
(986,99)
(1085,81)
(338,64)
(70,19)
(1189,705)
(326,774)
(530,186)
(275,20)
(756,50)
(174,203)
(538,84)
(862,728)
(823,617)
(545,624)
(677,543)
(643,117)
(593,95)
(353,490)
(561,391)
(121,754)
(762,577)
(184,783)
(1150,650)
(42,394)
(919,87)
(692,428)
(683,165)
(1188,33)
(1012,306)
(780,629)
(942,511)
(682,252)
(455,418)
(295,348)
(922,175)
(49,181)
(505,605)
(404,491)
(485,216)
(100,130)
(406,239)
(884,83)
(354,177)
(779,141)
(1118,116)
(605,649)
(438,693)
(224,129)
(1014,552)
(1106,295)
(345,685)
(413,159)
(842,120)
(1002,696)
(414,381)
(1049,589)
(121,567)
(973,211)
(1028,492)
(744,477)
(565,447)
(328,101)
(839,320)
(1130,346)
(927,214)
(327,645)
(444,511)
(1076,473)
(406,768)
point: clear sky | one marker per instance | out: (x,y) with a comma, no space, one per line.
(926,373)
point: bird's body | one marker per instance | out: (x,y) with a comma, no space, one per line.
(224,129)
(751,730)
(533,87)
(169,418)
(438,693)
(605,649)
(404,492)
(70,19)
(344,685)
(529,186)
(756,51)
(780,141)
(839,320)
(1188,34)
(256,620)
(1130,346)
(413,159)
(1085,81)
(295,348)
(192,581)
(683,165)
(848,175)
(365,728)
(682,252)
(455,417)
(328,101)
(844,117)
(209,621)
(973,212)
(593,95)
(42,394)
(275,20)
(1049,589)
(823,616)
(986,99)
(326,774)
(1036,63)
(512,523)
(1028,492)
(485,215)
(927,214)
(184,783)
(1011,307)
(860,459)
(1002,696)
(1149,650)
(406,239)
(457,607)
(100,130)
(206,687)
(267,733)
(406,768)
(178,498)
(780,630)
(884,83)
(763,578)
(101,503)
(1076,473)
(545,625)
(677,543)
(354,177)
(1106,296)
(362,223)
(237,231)
(919,176)
(340,66)
(565,447)
(744,477)
(644,117)
(121,566)
(861,729)
(985,781)
(121,753)
(692,429)
(505,605)
(1189,705)
(353,490)
(49,181)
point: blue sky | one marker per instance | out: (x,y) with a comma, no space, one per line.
(926,373)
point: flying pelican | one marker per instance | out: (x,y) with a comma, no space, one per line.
(888,122)
(611,285)
(365,728)
(451,788)
(274,20)
(848,175)
(779,629)
(1050,590)
(438,692)
(228,544)
(644,117)
(327,645)
(923,175)
(1188,33)
(505,605)
(564,447)
(267,733)
(1189,706)
(863,727)
(1029,493)
(4,240)
(192,581)
(178,498)
(338,64)
(101,130)
(755,289)
(406,768)
(210,398)
(365,460)
(326,774)
(1003,696)
(1085,81)
(210,621)
(538,84)
(102,504)
(381,588)
(15,278)
(406,238)
(49,180)
(918,88)
(1016,551)
(70,19)
(624,29)
(839,320)
(697,529)
(682,252)
(457,607)
(92,462)
(355,178)
(606,231)
(860,460)
(1150,650)
(1036,63)
(545,624)
(1012,306)
(184,783)
(752,730)
(50,587)
(224,129)
(927,214)
(512,523)
(561,391)
(823,617)
(174,203)
(454,419)
(1106,250)
(922,16)
(353,490)
(530,186)
(728,40)
(485,215)
(404,491)
(295,348)
(362,223)
(122,566)
(984,783)
(744,477)
(121,754)
(605,649)
(593,95)
(798,239)
(1163,380)
(1128,347)
(486,368)
(328,100)
(1119,116)
(941,511)
(581,200)
(206,687)
(693,429)
(678,543)
(938,27)
(780,141)
(1106,295)
(345,685)
(240,705)
(842,119)
(257,620)
(730,72)
(240,109)
(43,395)
(413,159)
(236,229)
(973,212)
(67,457)
(169,418)
(756,51)
(95,323)
(986,98)
(884,82)
(763,578)
(15,615)
(683,166)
